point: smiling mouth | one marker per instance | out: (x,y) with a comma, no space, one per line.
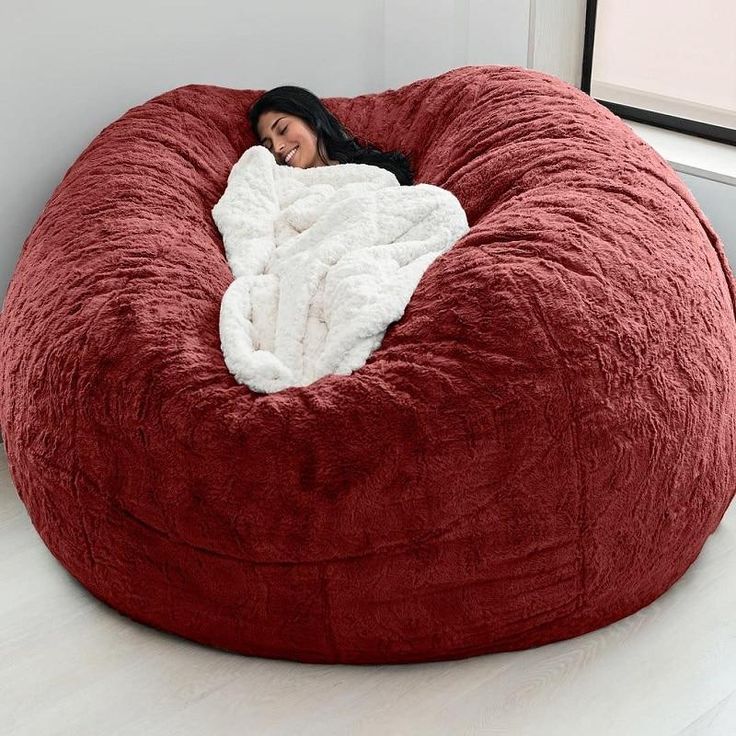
(289,156)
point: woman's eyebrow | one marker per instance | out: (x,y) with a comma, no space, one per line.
(265,137)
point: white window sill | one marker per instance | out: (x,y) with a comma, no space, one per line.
(689,154)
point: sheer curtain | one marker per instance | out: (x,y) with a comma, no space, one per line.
(676,57)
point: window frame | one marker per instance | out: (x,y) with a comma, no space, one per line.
(642,115)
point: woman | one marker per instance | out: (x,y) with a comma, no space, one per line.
(300,131)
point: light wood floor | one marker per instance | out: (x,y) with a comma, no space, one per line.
(71,665)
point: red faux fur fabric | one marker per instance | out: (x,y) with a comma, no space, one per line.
(539,447)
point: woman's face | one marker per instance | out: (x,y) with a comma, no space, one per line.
(282,133)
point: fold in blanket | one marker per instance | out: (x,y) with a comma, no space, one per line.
(324,259)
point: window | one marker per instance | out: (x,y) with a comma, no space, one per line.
(669,63)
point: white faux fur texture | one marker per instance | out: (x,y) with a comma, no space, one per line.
(324,260)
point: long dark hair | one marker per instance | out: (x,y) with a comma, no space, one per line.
(333,140)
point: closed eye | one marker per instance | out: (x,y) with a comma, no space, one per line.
(281,132)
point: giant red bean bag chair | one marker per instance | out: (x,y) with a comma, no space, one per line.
(540,446)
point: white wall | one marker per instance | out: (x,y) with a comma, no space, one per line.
(718,202)
(67,69)
(424,39)
(556,35)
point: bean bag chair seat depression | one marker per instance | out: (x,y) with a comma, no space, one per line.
(540,446)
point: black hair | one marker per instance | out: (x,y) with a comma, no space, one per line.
(334,141)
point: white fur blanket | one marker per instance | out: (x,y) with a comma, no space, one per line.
(324,260)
